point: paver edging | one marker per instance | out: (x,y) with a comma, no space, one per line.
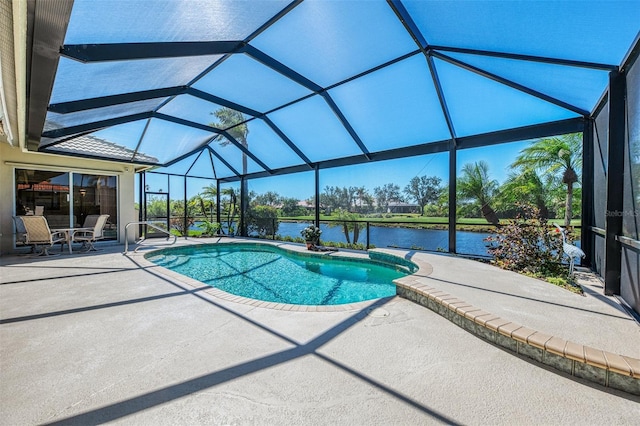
(595,365)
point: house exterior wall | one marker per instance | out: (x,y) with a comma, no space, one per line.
(13,157)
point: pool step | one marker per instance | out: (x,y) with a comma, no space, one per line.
(170,261)
(180,260)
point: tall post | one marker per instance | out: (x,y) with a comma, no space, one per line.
(586,240)
(168,203)
(615,182)
(452,195)
(317,191)
(142,213)
(368,234)
(218,207)
(186,206)
(244,206)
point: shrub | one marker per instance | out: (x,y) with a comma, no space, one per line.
(178,225)
(210,228)
(527,245)
(340,244)
(262,220)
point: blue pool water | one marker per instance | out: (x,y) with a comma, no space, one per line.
(263,272)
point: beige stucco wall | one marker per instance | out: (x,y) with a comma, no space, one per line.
(13,157)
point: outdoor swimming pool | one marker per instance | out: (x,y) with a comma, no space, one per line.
(273,274)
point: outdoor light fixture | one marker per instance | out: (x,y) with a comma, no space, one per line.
(83,192)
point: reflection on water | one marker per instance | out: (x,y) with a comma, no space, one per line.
(423,239)
(269,273)
(420,239)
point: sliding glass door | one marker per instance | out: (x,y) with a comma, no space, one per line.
(45,193)
(96,194)
(67,198)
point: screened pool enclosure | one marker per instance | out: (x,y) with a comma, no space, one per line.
(226,93)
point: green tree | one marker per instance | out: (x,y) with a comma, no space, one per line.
(349,225)
(311,204)
(334,198)
(362,199)
(263,220)
(209,192)
(230,205)
(475,184)
(560,155)
(156,207)
(441,207)
(524,186)
(178,221)
(207,201)
(269,198)
(557,196)
(290,207)
(386,194)
(234,122)
(424,190)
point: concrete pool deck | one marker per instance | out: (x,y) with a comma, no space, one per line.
(102,337)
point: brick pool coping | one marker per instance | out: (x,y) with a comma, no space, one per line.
(604,368)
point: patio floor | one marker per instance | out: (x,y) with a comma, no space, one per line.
(102,337)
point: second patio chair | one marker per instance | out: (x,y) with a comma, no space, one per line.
(92,231)
(38,234)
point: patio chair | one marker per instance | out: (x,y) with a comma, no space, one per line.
(21,232)
(92,231)
(38,234)
(90,220)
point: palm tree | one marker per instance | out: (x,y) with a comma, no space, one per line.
(362,195)
(231,207)
(350,224)
(210,192)
(476,184)
(525,186)
(234,122)
(560,155)
(208,198)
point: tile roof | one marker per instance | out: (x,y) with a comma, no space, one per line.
(96,147)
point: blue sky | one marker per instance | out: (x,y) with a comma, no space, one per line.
(499,157)
(395,105)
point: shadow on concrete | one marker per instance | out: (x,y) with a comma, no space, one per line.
(161,396)
(625,317)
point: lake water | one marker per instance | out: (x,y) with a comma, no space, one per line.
(382,236)
(471,243)
(424,239)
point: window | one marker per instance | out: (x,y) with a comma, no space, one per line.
(96,194)
(49,193)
